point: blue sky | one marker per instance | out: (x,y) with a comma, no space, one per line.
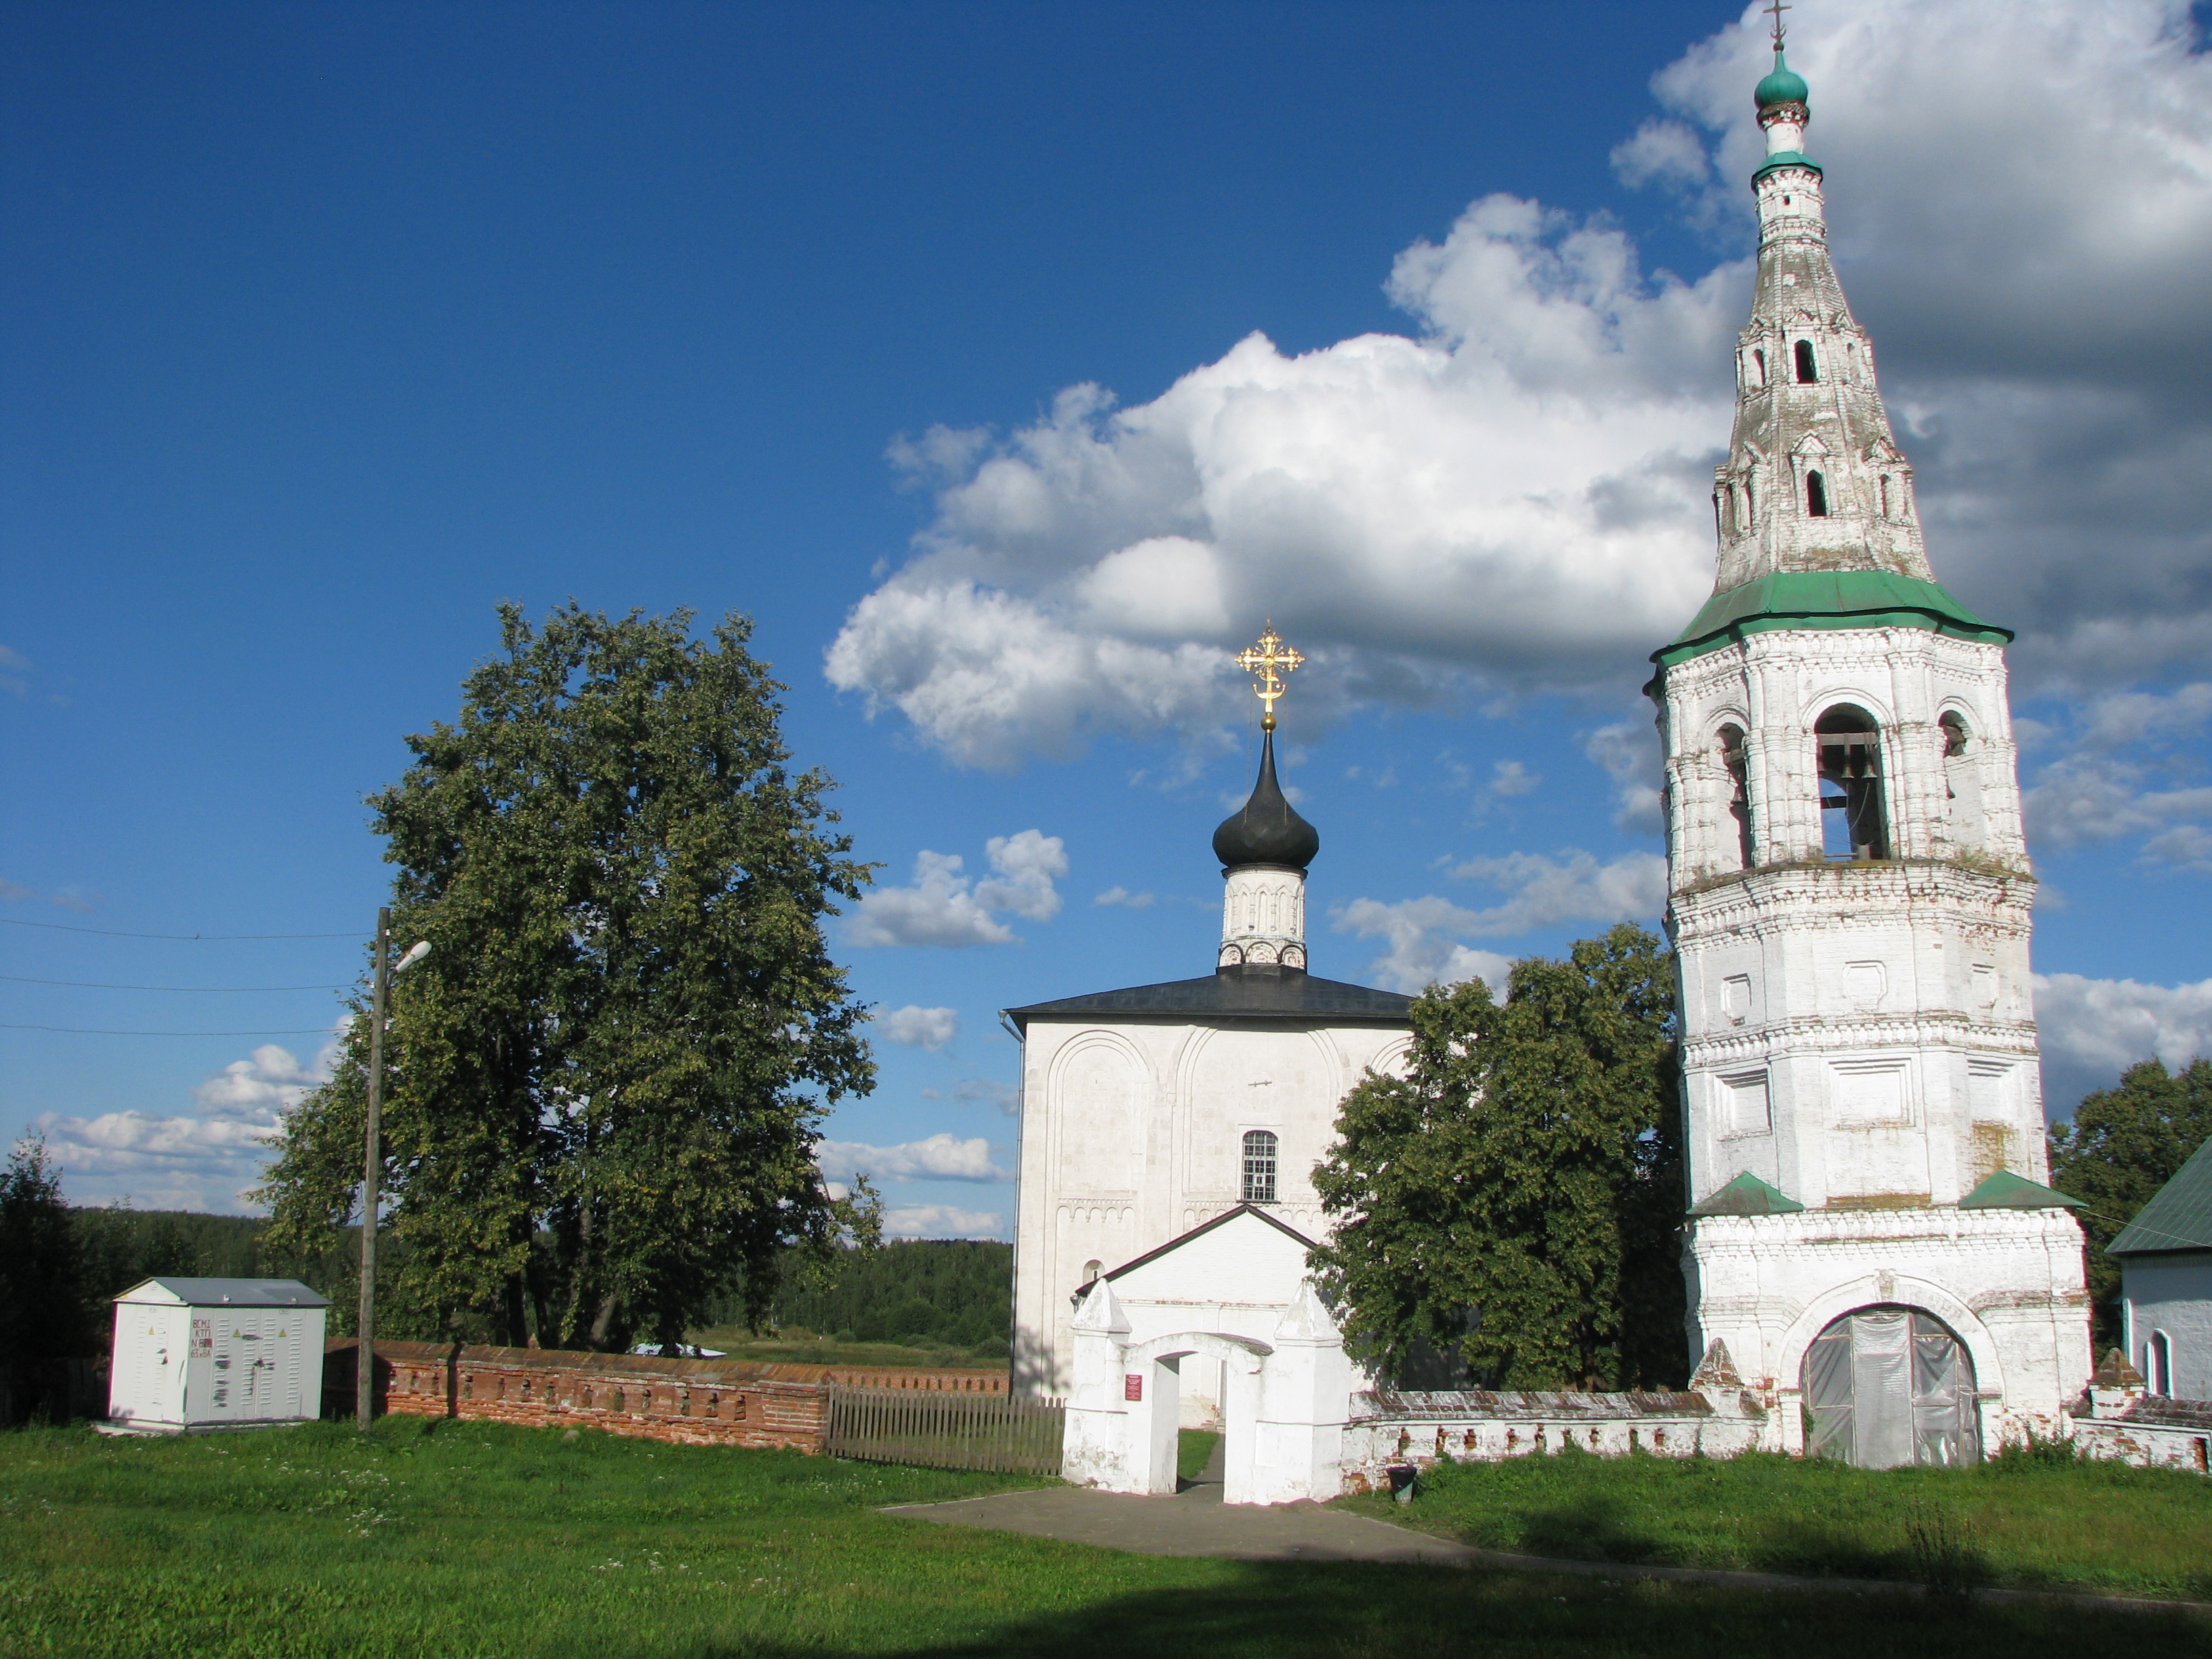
(926,336)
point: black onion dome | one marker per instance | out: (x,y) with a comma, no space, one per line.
(1268,830)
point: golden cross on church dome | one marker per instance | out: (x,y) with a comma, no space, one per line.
(1263,659)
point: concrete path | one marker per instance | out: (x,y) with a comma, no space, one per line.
(1195,1522)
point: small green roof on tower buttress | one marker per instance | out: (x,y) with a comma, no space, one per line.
(1783,86)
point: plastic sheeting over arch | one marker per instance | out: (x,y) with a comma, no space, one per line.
(1889,1387)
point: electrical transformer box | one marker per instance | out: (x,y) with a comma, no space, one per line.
(210,1354)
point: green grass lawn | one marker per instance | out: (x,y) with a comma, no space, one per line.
(1193,1448)
(2030,1520)
(454,1540)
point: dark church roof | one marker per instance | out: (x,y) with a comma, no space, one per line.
(1251,992)
(1267,830)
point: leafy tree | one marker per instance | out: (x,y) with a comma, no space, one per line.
(2123,1145)
(965,1285)
(605,1080)
(42,1306)
(1514,1201)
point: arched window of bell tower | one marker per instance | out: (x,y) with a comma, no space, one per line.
(1759,365)
(1739,803)
(1809,372)
(1854,817)
(1962,781)
(1816,495)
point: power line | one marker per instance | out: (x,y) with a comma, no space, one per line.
(205,938)
(86,1030)
(94,985)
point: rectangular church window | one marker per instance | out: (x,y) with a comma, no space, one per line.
(1259,1167)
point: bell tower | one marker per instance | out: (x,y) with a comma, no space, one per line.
(1870,1232)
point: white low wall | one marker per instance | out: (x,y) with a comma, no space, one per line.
(1487,1427)
(2117,1420)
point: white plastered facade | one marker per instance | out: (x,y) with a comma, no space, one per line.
(1132,1134)
(1279,1370)
(1857,1035)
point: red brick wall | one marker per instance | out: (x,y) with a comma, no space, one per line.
(706,1402)
(687,1401)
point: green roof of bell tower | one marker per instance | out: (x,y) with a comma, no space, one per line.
(1825,599)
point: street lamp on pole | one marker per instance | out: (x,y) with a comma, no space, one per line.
(364,1404)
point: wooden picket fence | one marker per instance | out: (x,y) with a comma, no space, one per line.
(946,1431)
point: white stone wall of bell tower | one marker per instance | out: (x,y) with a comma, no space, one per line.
(1952,792)
(1857,1027)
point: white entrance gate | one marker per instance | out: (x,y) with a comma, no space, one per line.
(1283,1414)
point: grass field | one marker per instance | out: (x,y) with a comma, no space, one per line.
(1193,1448)
(2027,1521)
(454,1540)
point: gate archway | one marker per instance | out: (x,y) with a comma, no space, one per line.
(1153,1419)
(1890,1386)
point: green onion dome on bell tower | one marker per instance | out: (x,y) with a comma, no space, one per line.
(1783,86)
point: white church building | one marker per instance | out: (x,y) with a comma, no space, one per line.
(1148,1115)
(1877,1269)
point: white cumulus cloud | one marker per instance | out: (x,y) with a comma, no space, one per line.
(937,1158)
(2122,767)
(1516,494)
(198,1162)
(1516,491)
(920,1028)
(2092,1029)
(1122,897)
(1026,864)
(1423,935)
(943,906)
(271,1082)
(1421,950)
(941,1221)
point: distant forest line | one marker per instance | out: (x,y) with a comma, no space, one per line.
(957,1292)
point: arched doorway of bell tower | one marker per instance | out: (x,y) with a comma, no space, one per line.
(1891,1386)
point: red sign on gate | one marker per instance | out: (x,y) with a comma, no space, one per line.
(1133,1385)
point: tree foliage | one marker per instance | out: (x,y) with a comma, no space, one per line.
(952,1290)
(2125,1144)
(1515,1200)
(42,1305)
(605,1080)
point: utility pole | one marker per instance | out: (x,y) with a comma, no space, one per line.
(364,1404)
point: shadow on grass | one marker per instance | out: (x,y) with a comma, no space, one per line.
(1359,1611)
(1939,1549)
(1590,1529)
